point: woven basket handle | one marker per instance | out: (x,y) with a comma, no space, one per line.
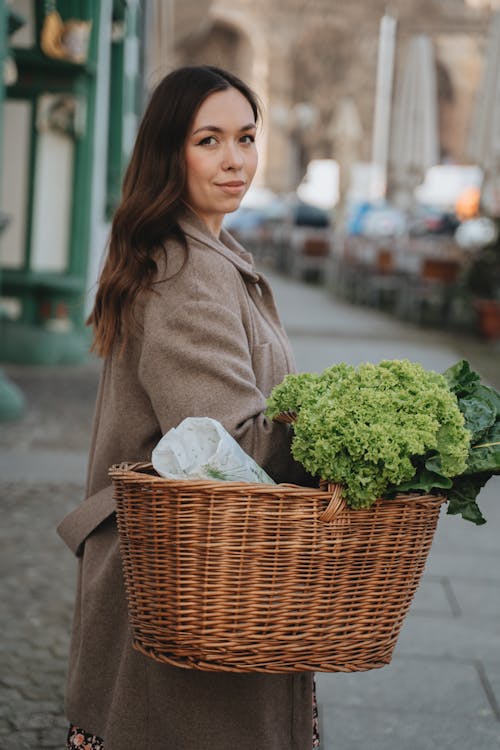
(336,505)
(139,466)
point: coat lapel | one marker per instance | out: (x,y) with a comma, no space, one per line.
(196,230)
(258,288)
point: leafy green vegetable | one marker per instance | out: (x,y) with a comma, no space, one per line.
(395,427)
(485,455)
(363,427)
(461,379)
(479,411)
(290,393)
(461,498)
(480,406)
(428,476)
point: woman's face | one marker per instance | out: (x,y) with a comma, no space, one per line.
(221,157)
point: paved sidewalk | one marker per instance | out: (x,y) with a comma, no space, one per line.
(442,689)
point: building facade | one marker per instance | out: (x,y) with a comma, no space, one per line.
(322,53)
(70,106)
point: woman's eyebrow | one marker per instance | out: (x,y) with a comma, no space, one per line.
(215,129)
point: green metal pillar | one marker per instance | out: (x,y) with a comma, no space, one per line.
(125,94)
(11,399)
(51,326)
(50,323)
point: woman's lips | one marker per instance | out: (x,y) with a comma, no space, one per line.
(233,188)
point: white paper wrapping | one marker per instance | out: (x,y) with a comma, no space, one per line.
(200,448)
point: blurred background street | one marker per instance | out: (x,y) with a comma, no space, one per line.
(376,214)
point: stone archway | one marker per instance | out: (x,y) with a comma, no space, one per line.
(222,44)
(459,64)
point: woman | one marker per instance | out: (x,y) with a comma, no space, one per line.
(186,327)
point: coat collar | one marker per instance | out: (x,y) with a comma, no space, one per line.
(196,229)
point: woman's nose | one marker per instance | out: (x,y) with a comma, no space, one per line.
(232,157)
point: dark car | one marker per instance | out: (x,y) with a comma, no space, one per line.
(305,242)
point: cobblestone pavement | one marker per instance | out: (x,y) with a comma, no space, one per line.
(38,572)
(36,590)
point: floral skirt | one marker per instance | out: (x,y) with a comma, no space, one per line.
(82,740)
(315,718)
(78,738)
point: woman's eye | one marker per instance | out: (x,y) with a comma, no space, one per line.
(208,141)
(248,139)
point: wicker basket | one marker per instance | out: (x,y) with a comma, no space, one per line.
(243,577)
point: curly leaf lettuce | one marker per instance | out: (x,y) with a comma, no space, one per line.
(365,427)
(289,395)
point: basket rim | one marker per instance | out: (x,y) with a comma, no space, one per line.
(136,472)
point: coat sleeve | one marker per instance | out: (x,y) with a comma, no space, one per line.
(197,362)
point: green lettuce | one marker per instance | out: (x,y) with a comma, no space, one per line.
(395,427)
(364,427)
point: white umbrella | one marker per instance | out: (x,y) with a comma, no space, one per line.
(484,141)
(415,128)
(383,99)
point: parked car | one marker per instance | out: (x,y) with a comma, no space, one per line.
(245,224)
(303,243)
(378,219)
(427,220)
(287,233)
(257,227)
(383,221)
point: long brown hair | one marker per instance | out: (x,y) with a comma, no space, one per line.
(152,193)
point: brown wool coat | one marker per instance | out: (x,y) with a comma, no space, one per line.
(211,345)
